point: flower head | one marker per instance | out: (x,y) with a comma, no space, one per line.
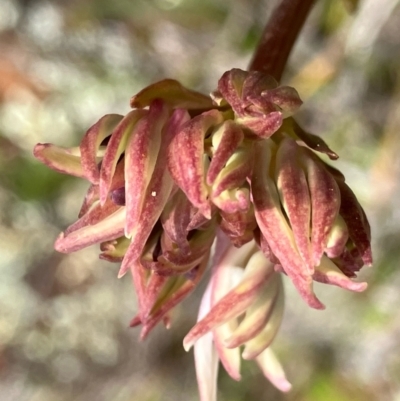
(181,168)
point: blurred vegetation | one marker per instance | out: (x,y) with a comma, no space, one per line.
(64,318)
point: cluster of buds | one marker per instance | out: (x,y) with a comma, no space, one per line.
(182,170)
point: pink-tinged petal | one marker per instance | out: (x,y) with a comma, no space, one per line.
(254,347)
(256,83)
(225,277)
(173,296)
(110,228)
(233,200)
(92,195)
(225,140)
(139,278)
(295,196)
(263,125)
(258,313)
(172,93)
(325,203)
(233,304)
(186,159)
(230,86)
(175,219)
(286,97)
(327,272)
(273,371)
(274,227)
(174,260)
(337,238)
(358,226)
(234,174)
(115,147)
(230,358)
(143,210)
(140,160)
(62,160)
(206,357)
(91,143)
(239,226)
(96,214)
(312,141)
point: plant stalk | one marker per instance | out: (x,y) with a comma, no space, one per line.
(279,36)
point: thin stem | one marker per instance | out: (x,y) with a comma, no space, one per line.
(279,36)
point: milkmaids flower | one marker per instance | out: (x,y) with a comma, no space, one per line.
(182,168)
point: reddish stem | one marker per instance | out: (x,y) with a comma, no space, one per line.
(279,36)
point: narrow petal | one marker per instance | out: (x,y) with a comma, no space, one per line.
(62,160)
(312,141)
(257,314)
(232,305)
(173,296)
(295,196)
(254,347)
(91,143)
(96,214)
(145,208)
(234,174)
(273,371)
(186,159)
(115,147)
(225,140)
(325,203)
(327,272)
(275,229)
(230,358)
(206,357)
(110,228)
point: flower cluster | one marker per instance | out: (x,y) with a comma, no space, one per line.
(182,169)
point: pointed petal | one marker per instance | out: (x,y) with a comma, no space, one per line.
(140,160)
(312,141)
(110,228)
(274,227)
(173,296)
(327,272)
(263,340)
(115,147)
(145,208)
(273,371)
(257,314)
(62,160)
(325,203)
(295,197)
(96,214)
(230,358)
(91,143)
(186,159)
(206,357)
(233,304)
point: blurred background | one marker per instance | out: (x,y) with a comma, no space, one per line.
(64,318)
